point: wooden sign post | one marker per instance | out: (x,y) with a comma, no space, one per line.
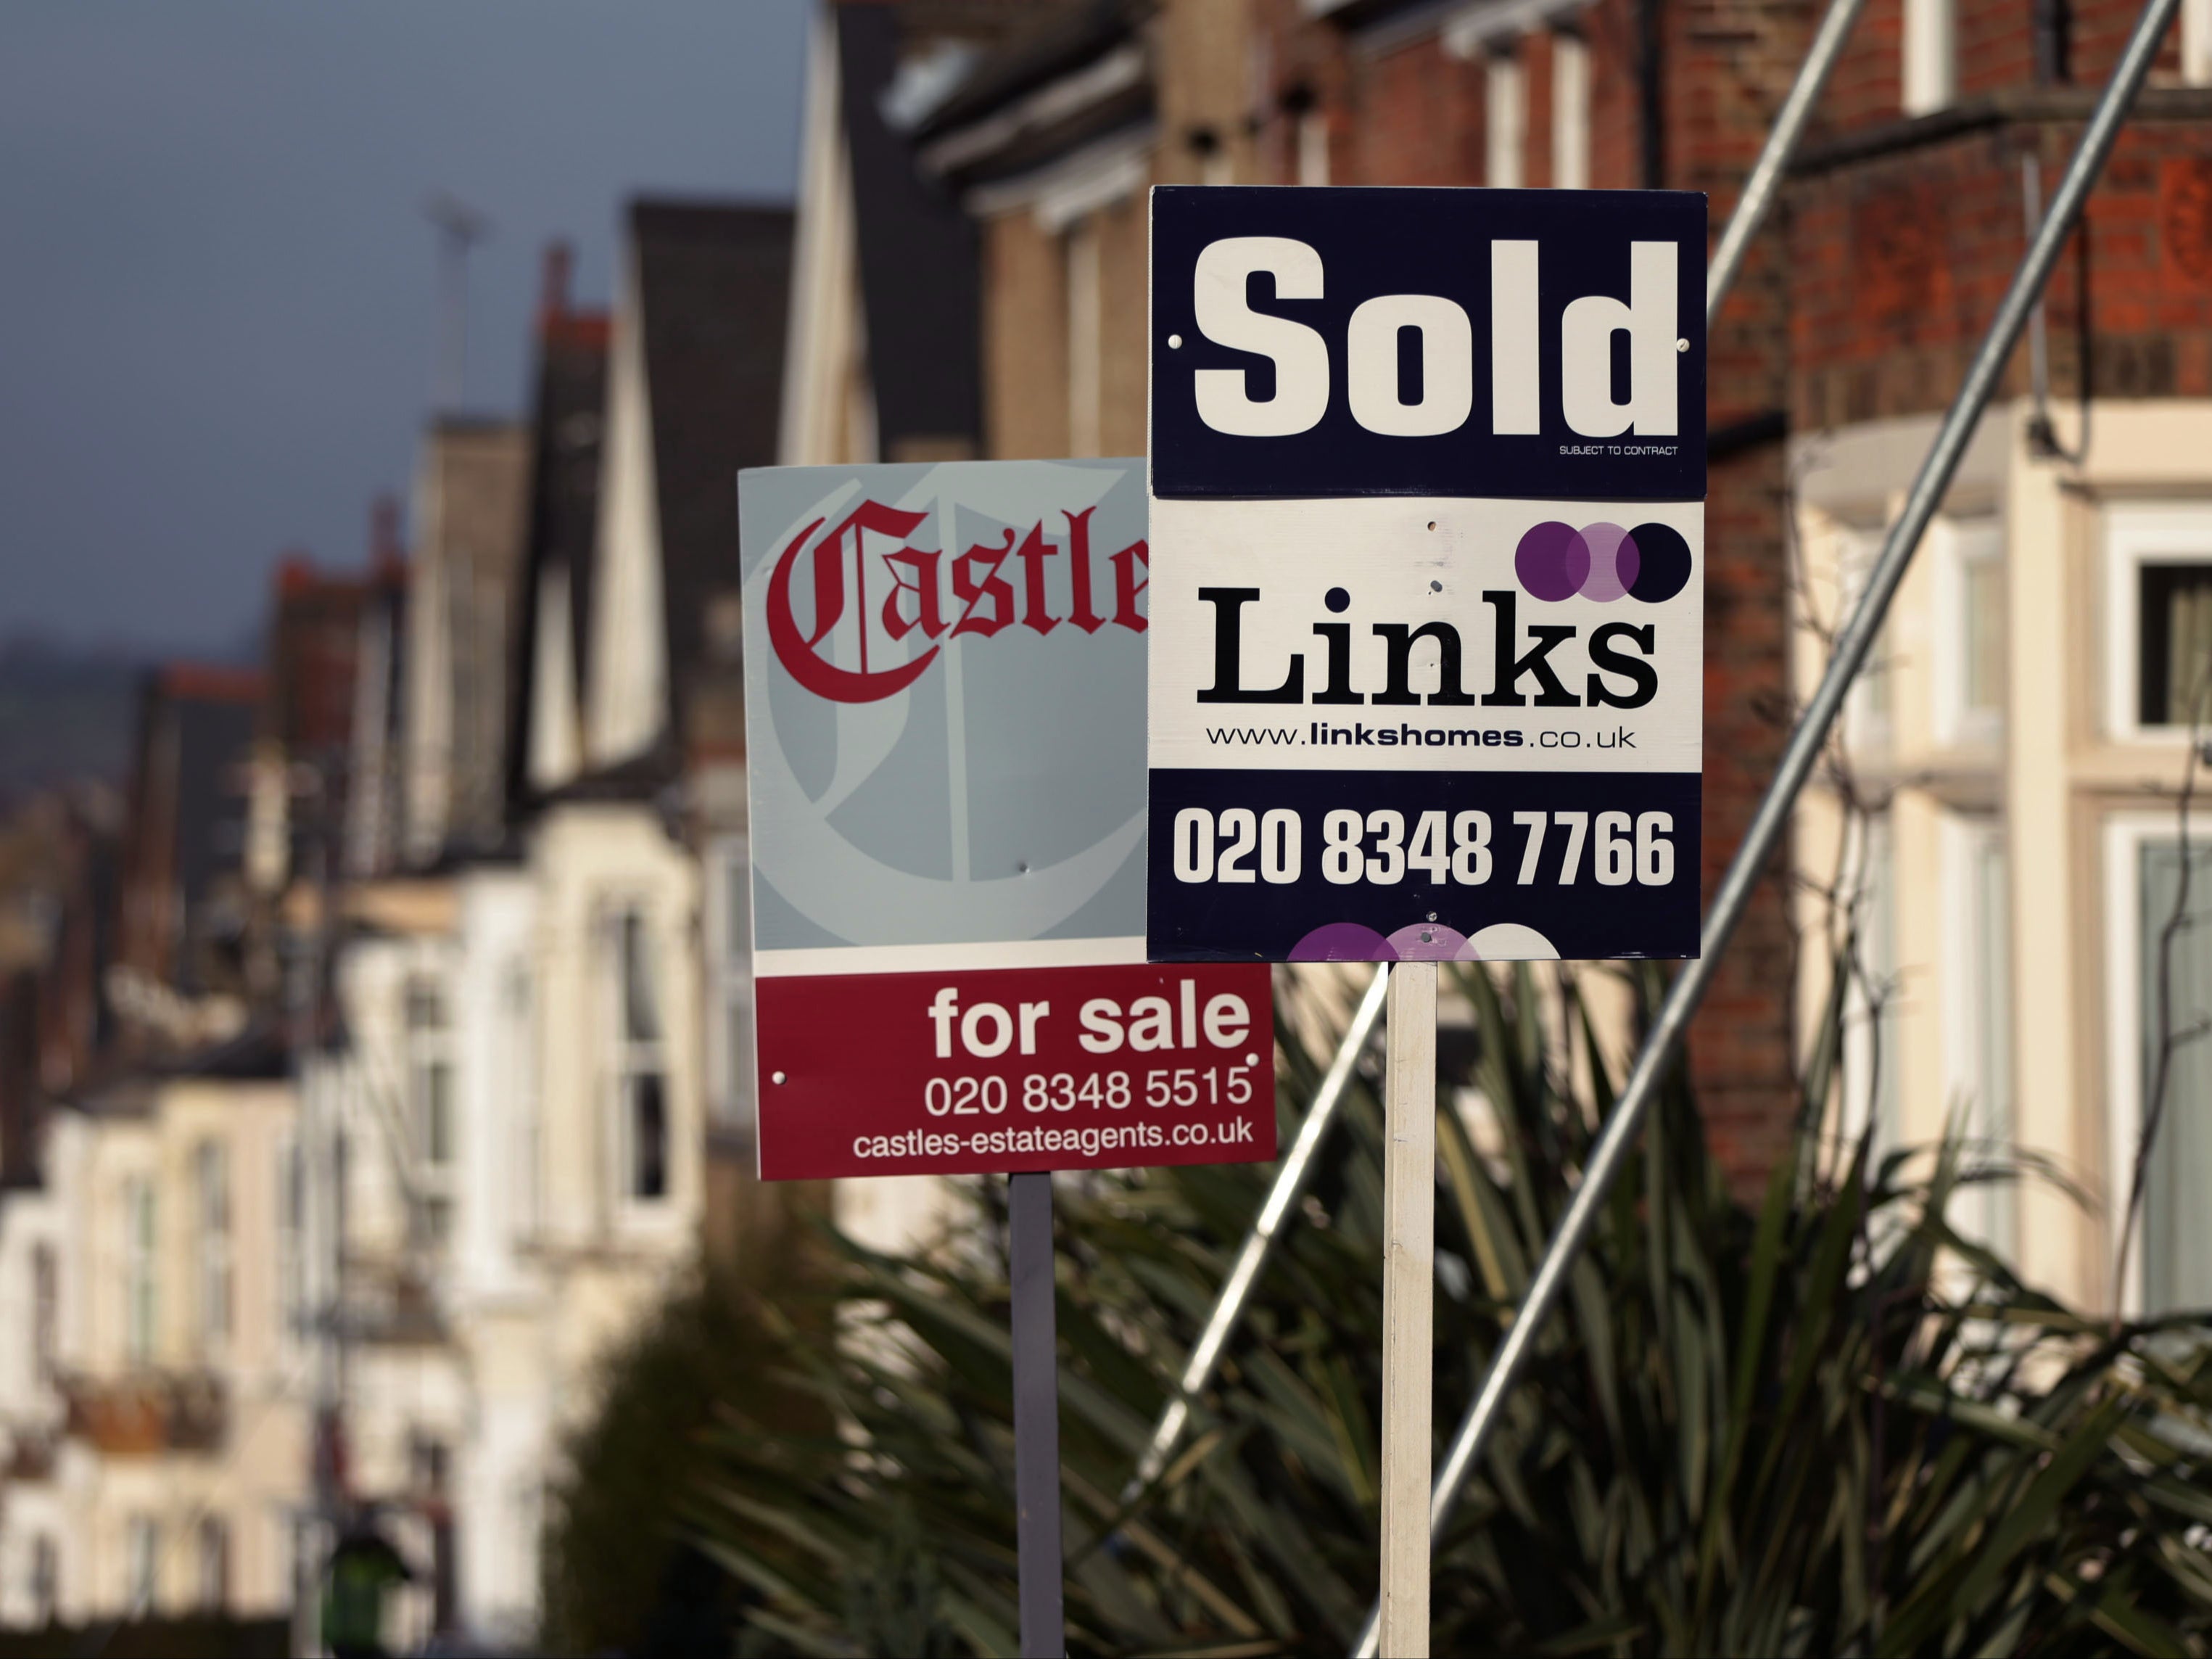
(1409,1278)
(1426,627)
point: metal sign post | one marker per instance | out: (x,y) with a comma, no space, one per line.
(1853,646)
(1036,1415)
(944,675)
(1427,628)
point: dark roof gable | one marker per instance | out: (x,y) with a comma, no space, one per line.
(569,416)
(713,287)
(919,271)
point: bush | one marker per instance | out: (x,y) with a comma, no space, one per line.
(622,1572)
(1830,1424)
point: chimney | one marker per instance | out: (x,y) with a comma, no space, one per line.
(386,558)
(553,293)
(295,573)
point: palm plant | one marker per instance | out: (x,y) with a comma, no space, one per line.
(1830,1424)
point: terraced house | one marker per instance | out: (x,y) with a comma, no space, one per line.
(1998,839)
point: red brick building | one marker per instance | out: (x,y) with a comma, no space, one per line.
(1844,339)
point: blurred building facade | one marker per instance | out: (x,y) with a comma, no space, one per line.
(1997,840)
(376,1066)
(521,1058)
(392,1061)
(2005,815)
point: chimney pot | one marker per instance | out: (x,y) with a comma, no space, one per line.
(385,554)
(553,297)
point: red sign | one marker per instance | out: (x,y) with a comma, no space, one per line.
(1003,1069)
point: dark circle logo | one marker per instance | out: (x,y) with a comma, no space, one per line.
(1602,562)
(1662,563)
(1337,598)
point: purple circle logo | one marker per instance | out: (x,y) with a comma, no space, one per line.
(1602,562)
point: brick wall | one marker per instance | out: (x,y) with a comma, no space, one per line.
(1995,50)
(1415,115)
(1863,299)
(1899,258)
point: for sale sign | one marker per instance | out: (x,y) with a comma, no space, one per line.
(1427,576)
(945,676)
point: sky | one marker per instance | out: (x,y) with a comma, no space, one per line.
(219,295)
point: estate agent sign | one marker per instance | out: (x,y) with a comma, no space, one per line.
(945,671)
(1427,574)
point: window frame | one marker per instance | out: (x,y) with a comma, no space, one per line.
(2136,534)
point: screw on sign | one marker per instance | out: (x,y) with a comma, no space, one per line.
(1426,626)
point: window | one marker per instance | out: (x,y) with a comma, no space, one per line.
(45,1580)
(1505,123)
(1870,1022)
(1571,112)
(1977,985)
(519,1084)
(1930,71)
(640,1066)
(2172,1268)
(430,1100)
(2158,620)
(730,941)
(429,1074)
(2174,611)
(291,1220)
(429,1467)
(211,1188)
(142,1560)
(46,1311)
(139,1266)
(1970,626)
(212,1570)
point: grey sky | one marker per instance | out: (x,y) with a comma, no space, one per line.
(218,312)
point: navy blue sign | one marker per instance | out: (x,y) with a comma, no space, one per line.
(1532,343)
(1282,865)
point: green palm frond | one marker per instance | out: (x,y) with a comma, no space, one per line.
(1827,1423)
